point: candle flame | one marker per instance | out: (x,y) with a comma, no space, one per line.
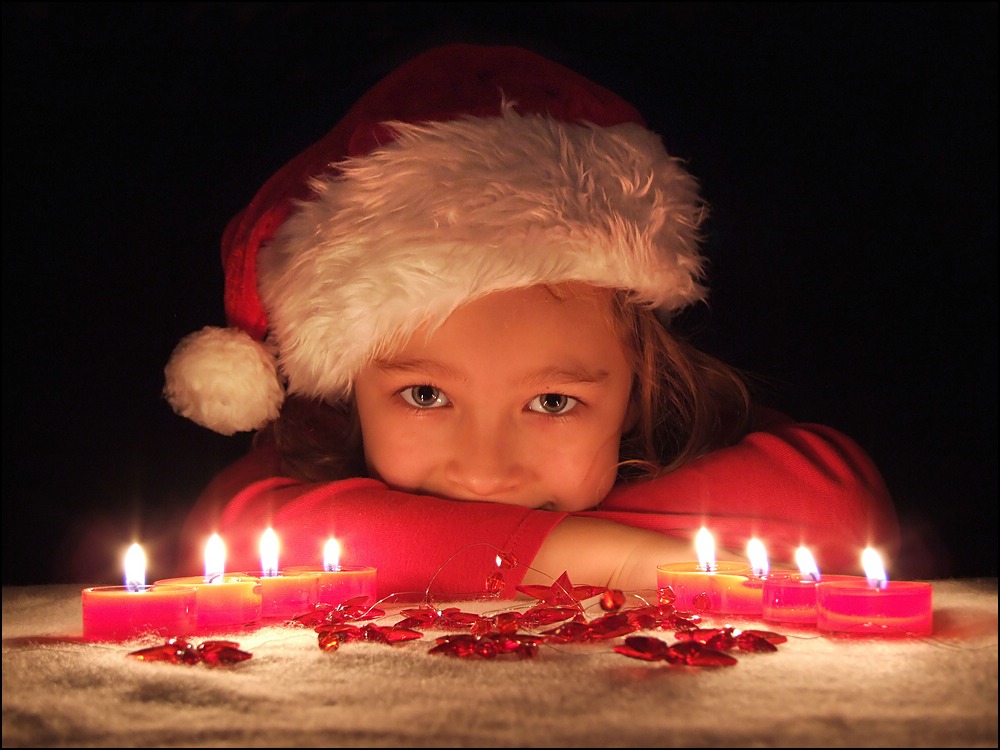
(874,571)
(758,557)
(806,563)
(331,555)
(135,568)
(705,546)
(215,559)
(269,553)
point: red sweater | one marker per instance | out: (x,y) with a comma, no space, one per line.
(791,485)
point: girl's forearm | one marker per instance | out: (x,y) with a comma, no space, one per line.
(599,552)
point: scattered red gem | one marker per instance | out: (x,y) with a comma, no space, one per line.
(506,561)
(180,651)
(494,584)
(562,591)
(667,595)
(612,600)
(488,646)
(502,635)
(690,653)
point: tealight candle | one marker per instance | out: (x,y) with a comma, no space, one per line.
(120,613)
(750,597)
(709,586)
(284,594)
(874,605)
(339,583)
(790,598)
(225,602)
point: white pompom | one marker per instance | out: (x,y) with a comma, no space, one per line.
(224,380)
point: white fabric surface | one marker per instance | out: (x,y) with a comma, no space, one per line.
(938,691)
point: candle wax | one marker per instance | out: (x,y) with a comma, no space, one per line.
(731,588)
(229,603)
(120,613)
(856,608)
(286,595)
(790,598)
(347,582)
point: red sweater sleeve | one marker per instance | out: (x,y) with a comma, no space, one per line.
(417,543)
(790,485)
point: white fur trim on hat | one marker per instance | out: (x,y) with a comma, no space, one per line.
(450,211)
(224,380)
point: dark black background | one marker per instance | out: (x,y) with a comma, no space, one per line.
(848,152)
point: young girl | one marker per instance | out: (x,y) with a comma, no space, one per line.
(450,329)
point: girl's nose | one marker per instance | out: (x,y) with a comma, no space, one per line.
(485,460)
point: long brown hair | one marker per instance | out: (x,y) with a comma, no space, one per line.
(685,402)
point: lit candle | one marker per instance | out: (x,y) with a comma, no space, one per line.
(225,602)
(874,605)
(284,594)
(710,586)
(338,583)
(119,613)
(748,599)
(790,597)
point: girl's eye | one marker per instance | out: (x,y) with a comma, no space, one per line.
(424,396)
(552,403)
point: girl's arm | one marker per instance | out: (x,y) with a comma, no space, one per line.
(789,485)
(416,542)
(600,552)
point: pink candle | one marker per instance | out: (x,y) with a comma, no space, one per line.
(874,605)
(284,594)
(790,597)
(708,586)
(225,602)
(119,613)
(338,583)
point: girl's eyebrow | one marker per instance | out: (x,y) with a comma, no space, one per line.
(420,365)
(575,373)
(562,375)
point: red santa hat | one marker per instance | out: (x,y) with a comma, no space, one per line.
(469,170)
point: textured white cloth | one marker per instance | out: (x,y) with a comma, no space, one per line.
(938,691)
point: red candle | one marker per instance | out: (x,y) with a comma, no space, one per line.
(284,594)
(789,597)
(225,602)
(708,586)
(120,613)
(874,605)
(338,583)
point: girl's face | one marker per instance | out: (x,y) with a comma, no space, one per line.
(520,397)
